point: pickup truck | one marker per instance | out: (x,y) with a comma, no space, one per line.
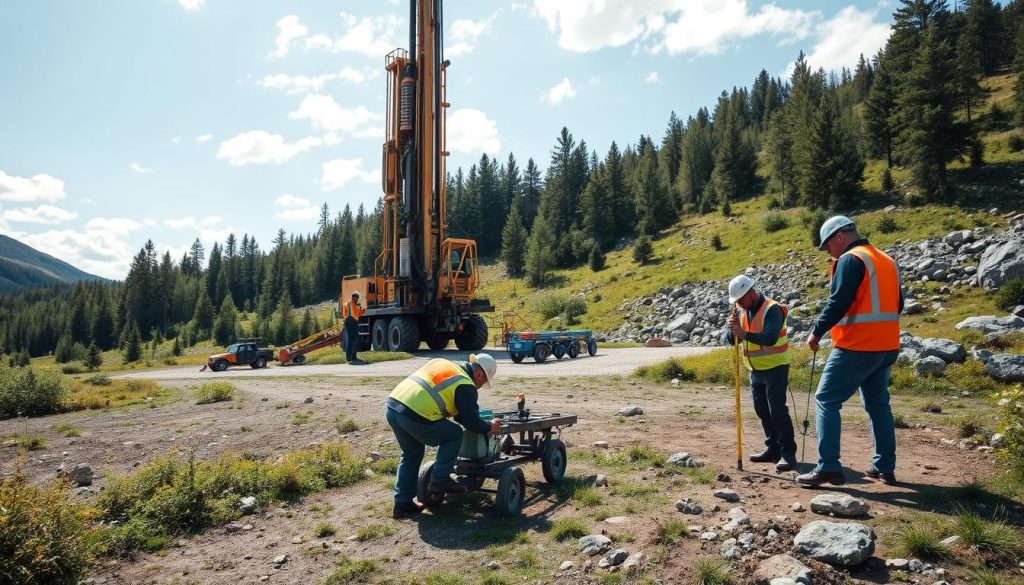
(241,353)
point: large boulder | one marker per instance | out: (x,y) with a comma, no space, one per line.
(991,323)
(847,545)
(1006,368)
(929,366)
(1002,262)
(658,342)
(686,322)
(594,544)
(945,349)
(843,505)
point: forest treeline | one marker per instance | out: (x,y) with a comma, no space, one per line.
(803,140)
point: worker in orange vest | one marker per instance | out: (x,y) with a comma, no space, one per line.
(351,311)
(862,314)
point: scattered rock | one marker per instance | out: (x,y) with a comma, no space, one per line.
(658,342)
(307,400)
(247,505)
(782,581)
(233,527)
(929,366)
(727,495)
(838,544)
(565,566)
(630,410)
(634,562)
(898,564)
(1006,368)
(683,459)
(601,444)
(493,565)
(688,506)
(781,566)
(997,441)
(797,507)
(280,560)
(842,505)
(594,544)
(601,480)
(82,475)
(950,541)
(730,550)
(945,349)
(618,520)
(613,559)
(738,518)
(1003,262)
(709,536)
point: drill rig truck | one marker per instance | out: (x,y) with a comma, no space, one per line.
(424,286)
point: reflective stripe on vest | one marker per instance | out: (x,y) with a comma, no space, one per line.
(759,357)
(872,321)
(352,310)
(430,391)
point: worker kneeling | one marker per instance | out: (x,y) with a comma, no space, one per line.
(418,411)
(761,330)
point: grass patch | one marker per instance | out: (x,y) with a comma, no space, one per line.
(711,572)
(333,356)
(386,465)
(568,528)
(26,442)
(214,392)
(323,530)
(67,430)
(300,418)
(922,542)
(282,404)
(634,490)
(374,531)
(701,475)
(993,537)
(89,395)
(443,578)
(666,371)
(985,576)
(588,497)
(345,425)
(350,571)
(671,531)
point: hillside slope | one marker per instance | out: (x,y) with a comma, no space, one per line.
(22,266)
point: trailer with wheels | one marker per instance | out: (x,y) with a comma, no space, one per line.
(296,352)
(541,344)
(524,438)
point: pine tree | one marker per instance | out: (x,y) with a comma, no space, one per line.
(204,313)
(654,206)
(64,352)
(347,243)
(620,196)
(968,74)
(879,114)
(93,358)
(284,326)
(985,28)
(1018,85)
(778,152)
(735,162)
(697,160)
(835,169)
(224,325)
(176,348)
(643,250)
(862,79)
(597,209)
(540,257)
(596,260)
(669,154)
(513,241)
(308,325)
(533,185)
(132,344)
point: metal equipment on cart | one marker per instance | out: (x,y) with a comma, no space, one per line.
(499,457)
(541,344)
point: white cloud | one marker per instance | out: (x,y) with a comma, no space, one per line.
(471,130)
(370,132)
(845,37)
(353,75)
(176,140)
(338,172)
(44,214)
(558,93)
(100,248)
(204,138)
(370,36)
(464,34)
(319,41)
(676,26)
(295,208)
(192,4)
(288,29)
(652,77)
(258,147)
(149,222)
(295,84)
(140,169)
(37,188)
(325,113)
(207,221)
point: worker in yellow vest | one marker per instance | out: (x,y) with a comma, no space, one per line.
(863,316)
(351,311)
(761,330)
(418,411)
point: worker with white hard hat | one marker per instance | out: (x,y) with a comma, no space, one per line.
(760,328)
(862,314)
(418,411)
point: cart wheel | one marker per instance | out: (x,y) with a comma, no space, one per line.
(508,501)
(472,483)
(422,494)
(553,461)
(517,356)
(540,353)
(592,347)
(574,350)
(299,360)
(559,351)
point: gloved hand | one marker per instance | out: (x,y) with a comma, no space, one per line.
(495,426)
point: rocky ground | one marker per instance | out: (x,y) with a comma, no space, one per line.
(644,519)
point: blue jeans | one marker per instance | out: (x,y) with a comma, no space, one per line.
(845,371)
(412,436)
(351,339)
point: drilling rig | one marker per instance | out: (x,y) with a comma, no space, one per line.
(424,283)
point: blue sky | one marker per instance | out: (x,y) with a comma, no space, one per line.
(128,120)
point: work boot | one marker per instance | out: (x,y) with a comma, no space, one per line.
(817,478)
(766,456)
(446,486)
(406,509)
(888,477)
(788,463)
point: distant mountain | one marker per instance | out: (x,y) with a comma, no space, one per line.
(23,266)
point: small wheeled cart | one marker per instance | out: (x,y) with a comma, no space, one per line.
(541,344)
(499,457)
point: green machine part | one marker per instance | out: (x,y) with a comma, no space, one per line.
(480,446)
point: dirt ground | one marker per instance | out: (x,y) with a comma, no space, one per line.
(463,536)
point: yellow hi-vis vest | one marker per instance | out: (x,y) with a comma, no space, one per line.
(758,357)
(430,390)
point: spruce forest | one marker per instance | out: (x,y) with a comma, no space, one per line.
(803,139)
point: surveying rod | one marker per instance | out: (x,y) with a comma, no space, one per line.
(739,412)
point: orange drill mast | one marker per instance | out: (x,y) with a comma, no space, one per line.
(424,283)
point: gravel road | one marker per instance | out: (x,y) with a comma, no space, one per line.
(606,362)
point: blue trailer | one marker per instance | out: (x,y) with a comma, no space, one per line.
(541,344)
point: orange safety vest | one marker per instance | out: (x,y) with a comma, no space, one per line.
(759,357)
(872,323)
(351,309)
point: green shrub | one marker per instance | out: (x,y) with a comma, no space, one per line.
(27,392)
(1010,294)
(554,304)
(712,572)
(1011,408)
(26,442)
(46,536)
(214,392)
(98,380)
(596,259)
(1015,143)
(643,250)
(71,369)
(671,531)
(345,425)
(567,528)
(921,542)
(887,225)
(324,530)
(812,221)
(887,183)
(665,371)
(716,243)
(992,537)
(774,222)
(67,429)
(350,571)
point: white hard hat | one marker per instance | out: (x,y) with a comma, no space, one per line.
(486,363)
(831,226)
(739,287)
